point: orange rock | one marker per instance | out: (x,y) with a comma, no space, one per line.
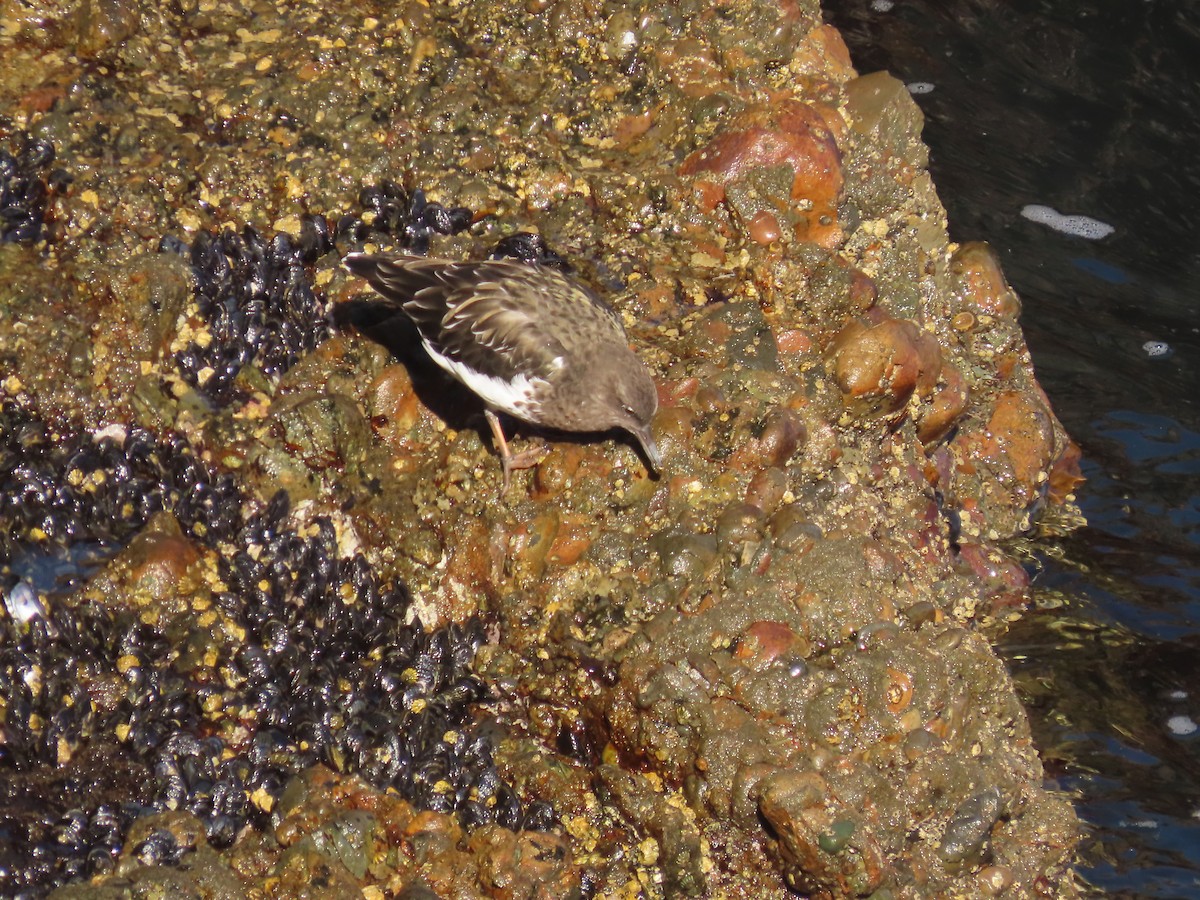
(467,577)
(656,297)
(43,98)
(981,282)
(557,470)
(1021,431)
(426,823)
(1005,582)
(394,405)
(863,291)
(1065,475)
(529,544)
(672,393)
(794,342)
(708,194)
(765,641)
(789,133)
(674,431)
(510,862)
(693,67)
(945,406)
(879,362)
(766,489)
(783,433)
(159,562)
(763,228)
(573,539)
(632,127)
(823,53)
(898,691)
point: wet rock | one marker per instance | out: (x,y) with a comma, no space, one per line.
(1019,438)
(517,866)
(1065,473)
(823,54)
(837,292)
(946,405)
(139,306)
(982,287)
(793,529)
(882,109)
(159,572)
(878,365)
(764,642)
(781,435)
(314,434)
(689,556)
(824,848)
(966,834)
(102,24)
(779,161)
(738,525)
(738,336)
(395,407)
(757,668)
(1006,583)
(679,848)
(767,489)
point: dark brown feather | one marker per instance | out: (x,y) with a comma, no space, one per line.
(499,317)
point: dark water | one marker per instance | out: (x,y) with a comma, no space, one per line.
(1091,108)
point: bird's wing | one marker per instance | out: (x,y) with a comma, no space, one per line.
(486,315)
(498,321)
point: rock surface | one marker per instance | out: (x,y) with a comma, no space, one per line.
(760,674)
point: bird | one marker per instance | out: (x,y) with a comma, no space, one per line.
(527,340)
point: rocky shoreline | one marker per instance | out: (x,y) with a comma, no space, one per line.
(764,673)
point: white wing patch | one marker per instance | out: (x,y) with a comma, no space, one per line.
(512,397)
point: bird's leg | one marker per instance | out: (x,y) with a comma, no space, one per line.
(526,459)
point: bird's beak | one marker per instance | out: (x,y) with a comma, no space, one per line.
(649,447)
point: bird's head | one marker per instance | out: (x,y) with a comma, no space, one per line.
(632,403)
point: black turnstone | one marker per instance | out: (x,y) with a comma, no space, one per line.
(526,340)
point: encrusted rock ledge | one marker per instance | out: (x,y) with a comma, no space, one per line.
(759,675)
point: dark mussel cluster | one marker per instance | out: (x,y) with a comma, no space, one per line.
(529,247)
(106,719)
(257,295)
(404,217)
(26,185)
(258,301)
(58,491)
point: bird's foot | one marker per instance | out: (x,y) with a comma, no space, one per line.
(526,459)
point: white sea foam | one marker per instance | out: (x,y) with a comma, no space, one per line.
(1181,725)
(1077,226)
